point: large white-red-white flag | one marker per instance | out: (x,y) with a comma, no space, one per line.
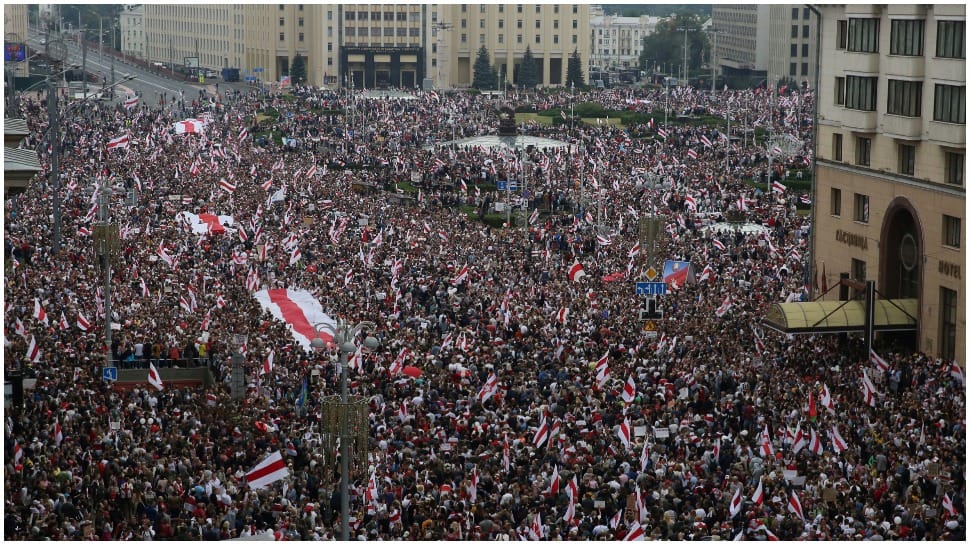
(267,472)
(398,364)
(299,310)
(33,350)
(576,272)
(39,313)
(120,142)
(795,506)
(876,360)
(82,323)
(629,390)
(488,389)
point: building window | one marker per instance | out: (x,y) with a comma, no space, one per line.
(950,38)
(860,93)
(464,38)
(948,323)
(950,104)
(906,37)
(300,37)
(841,33)
(538,10)
(537,38)
(414,32)
(501,23)
(804,50)
(575,22)
(555,24)
(388,31)
(793,69)
(538,23)
(805,13)
(804,68)
(464,23)
(858,271)
(481,23)
(555,8)
(299,22)
(804,31)
(794,31)
(860,211)
(282,37)
(794,47)
(464,8)
(518,23)
(282,21)
(951,231)
(907,159)
(836,206)
(518,8)
(375,16)
(837,147)
(481,39)
(575,8)
(555,38)
(402,16)
(794,14)
(501,8)
(863,147)
(905,98)
(501,38)
(840,91)
(575,39)
(864,35)
(953,168)
(518,38)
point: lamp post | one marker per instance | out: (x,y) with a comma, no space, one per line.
(344,333)
(106,245)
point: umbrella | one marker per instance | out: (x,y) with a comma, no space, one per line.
(411,371)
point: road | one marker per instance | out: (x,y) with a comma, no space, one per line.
(148,85)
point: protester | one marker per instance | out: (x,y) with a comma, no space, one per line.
(514,404)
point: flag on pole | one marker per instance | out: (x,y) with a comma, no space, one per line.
(948,505)
(736,503)
(542,433)
(629,390)
(270,470)
(623,432)
(766,449)
(120,142)
(880,363)
(838,444)
(154,378)
(39,313)
(778,187)
(758,498)
(33,350)
(795,506)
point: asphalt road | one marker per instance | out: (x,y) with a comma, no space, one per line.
(148,85)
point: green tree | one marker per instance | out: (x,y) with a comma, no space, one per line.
(528,71)
(574,70)
(664,49)
(484,77)
(298,69)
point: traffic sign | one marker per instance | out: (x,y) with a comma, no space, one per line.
(651,288)
(650,325)
(109,373)
(651,274)
(501,185)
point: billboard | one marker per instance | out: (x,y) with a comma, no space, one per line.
(14,52)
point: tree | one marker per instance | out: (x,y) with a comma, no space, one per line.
(664,49)
(484,76)
(298,69)
(574,70)
(528,71)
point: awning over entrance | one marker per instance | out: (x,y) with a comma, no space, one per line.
(841,316)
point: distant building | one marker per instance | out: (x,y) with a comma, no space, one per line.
(616,42)
(771,41)
(132,25)
(15,22)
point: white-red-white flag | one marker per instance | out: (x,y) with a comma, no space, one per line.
(58,433)
(634,532)
(876,360)
(629,390)
(948,505)
(268,363)
(795,505)
(736,503)
(542,433)
(576,272)
(838,444)
(270,470)
(63,323)
(602,370)
(154,378)
(766,449)
(623,432)
(33,350)
(826,399)
(461,276)
(120,142)
(488,389)
(39,313)
(758,498)
(398,364)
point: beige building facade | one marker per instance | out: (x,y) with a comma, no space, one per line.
(616,42)
(552,32)
(890,194)
(132,24)
(775,39)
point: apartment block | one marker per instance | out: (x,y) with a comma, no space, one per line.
(890,193)
(616,42)
(132,25)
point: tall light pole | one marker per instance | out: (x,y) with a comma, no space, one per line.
(106,245)
(344,333)
(685,29)
(714,31)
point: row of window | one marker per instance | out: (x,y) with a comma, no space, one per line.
(388,31)
(518,7)
(518,39)
(861,35)
(951,232)
(906,158)
(794,50)
(905,97)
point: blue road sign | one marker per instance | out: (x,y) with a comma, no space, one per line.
(258,69)
(109,373)
(651,288)
(501,185)
(513,186)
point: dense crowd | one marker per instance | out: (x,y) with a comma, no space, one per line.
(324,212)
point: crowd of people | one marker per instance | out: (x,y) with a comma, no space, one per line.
(543,410)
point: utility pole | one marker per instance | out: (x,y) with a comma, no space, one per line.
(100,39)
(55,136)
(714,31)
(685,29)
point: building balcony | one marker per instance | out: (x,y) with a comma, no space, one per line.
(899,126)
(858,120)
(856,63)
(947,134)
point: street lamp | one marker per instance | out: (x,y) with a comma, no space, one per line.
(339,411)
